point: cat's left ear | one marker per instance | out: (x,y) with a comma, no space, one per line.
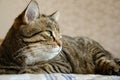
(55,15)
(31,12)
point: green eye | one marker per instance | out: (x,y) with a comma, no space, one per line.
(48,33)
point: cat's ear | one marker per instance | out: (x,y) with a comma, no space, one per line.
(55,15)
(31,12)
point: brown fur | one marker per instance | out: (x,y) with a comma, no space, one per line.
(79,55)
(1,41)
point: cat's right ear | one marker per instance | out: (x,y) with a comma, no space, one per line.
(31,12)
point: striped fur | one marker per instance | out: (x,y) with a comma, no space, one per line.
(34,45)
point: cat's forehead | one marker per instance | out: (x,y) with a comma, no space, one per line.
(43,22)
(46,19)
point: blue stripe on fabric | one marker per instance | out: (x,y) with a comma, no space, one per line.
(50,77)
(68,77)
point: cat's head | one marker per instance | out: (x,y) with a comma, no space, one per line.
(33,35)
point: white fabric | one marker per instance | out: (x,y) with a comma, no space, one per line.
(57,76)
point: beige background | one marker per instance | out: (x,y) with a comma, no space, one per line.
(97,19)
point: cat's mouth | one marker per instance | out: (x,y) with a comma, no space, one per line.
(36,53)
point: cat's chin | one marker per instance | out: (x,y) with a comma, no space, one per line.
(40,55)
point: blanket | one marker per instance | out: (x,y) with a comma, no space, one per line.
(57,76)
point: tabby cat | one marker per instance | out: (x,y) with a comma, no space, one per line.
(34,45)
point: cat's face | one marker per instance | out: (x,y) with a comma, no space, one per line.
(36,36)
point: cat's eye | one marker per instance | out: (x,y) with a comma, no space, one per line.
(48,33)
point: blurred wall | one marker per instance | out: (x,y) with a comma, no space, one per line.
(97,19)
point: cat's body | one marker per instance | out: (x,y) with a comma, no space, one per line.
(34,45)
